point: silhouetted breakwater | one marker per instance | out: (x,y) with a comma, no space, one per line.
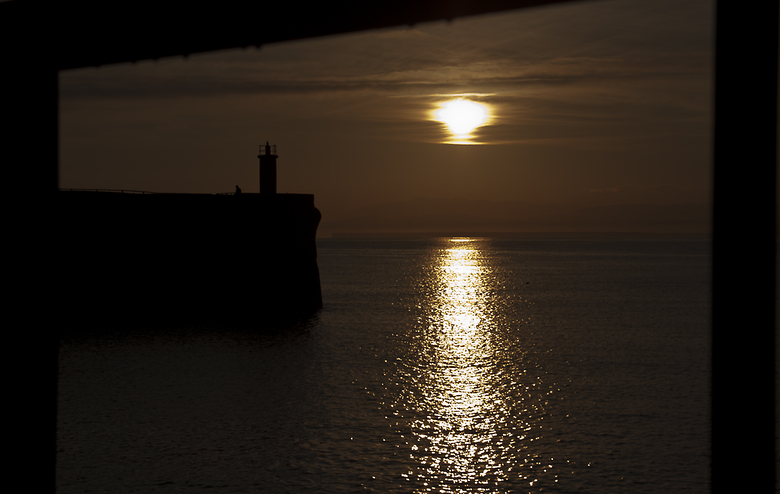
(245,259)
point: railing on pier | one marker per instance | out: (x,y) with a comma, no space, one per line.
(128,191)
(120,191)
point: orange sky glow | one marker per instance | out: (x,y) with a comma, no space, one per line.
(591,105)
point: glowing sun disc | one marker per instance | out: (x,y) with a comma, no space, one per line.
(462,116)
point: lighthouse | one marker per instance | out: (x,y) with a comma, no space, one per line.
(267,159)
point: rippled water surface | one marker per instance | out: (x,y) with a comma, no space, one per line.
(437,365)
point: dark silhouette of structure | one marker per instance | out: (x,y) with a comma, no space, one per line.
(171,258)
(40,38)
(267,159)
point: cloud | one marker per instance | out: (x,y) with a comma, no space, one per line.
(568,45)
(587,95)
(596,191)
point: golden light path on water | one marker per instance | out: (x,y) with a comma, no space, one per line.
(463,395)
(462,117)
(475,416)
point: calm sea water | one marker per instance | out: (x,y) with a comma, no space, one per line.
(436,365)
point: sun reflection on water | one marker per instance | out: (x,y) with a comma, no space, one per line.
(463,395)
(467,434)
(468,396)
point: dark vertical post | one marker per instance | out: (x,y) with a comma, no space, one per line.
(743,249)
(29,92)
(267,169)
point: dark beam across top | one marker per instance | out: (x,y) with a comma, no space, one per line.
(84,34)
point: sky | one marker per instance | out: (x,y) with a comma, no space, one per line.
(600,119)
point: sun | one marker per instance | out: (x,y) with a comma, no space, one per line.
(462,117)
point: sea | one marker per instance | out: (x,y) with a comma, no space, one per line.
(437,365)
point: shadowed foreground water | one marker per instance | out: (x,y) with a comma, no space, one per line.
(440,365)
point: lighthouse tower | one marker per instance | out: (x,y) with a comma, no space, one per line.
(267,158)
